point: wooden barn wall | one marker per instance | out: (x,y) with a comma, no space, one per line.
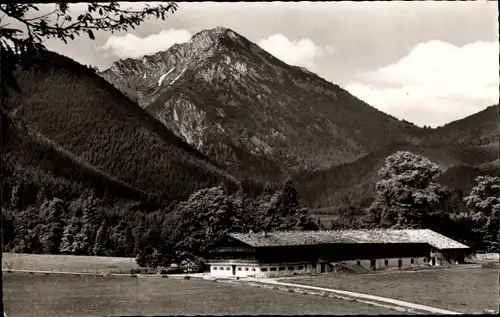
(342,252)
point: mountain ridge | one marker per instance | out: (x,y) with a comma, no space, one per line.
(219,85)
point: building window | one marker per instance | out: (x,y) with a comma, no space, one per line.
(290,268)
(264,269)
(221,268)
(272,269)
(301,267)
(425,260)
(412,261)
(239,269)
(386,262)
(253,269)
(358,262)
(228,268)
(214,268)
(246,269)
(282,268)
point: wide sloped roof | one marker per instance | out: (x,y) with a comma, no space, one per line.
(295,238)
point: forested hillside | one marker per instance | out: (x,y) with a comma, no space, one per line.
(87,117)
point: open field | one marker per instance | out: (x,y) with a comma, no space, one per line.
(324,217)
(67,295)
(67,263)
(465,290)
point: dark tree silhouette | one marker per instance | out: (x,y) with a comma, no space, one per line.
(21,47)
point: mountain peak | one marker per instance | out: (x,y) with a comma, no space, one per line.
(211,36)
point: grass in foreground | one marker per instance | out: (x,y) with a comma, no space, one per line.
(67,263)
(65,295)
(467,290)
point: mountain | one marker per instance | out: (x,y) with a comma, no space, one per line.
(464,149)
(479,129)
(251,112)
(94,133)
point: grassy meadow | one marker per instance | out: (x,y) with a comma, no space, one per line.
(466,290)
(69,295)
(67,263)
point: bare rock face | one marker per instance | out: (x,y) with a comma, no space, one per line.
(248,110)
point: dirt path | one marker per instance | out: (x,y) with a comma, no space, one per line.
(366,297)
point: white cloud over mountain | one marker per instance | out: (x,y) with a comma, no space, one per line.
(299,53)
(436,81)
(132,46)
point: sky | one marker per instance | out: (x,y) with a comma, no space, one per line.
(427,62)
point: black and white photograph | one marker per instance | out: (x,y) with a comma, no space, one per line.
(249,158)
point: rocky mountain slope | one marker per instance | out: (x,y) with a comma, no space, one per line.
(72,111)
(250,111)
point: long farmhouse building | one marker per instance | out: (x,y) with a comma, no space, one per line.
(299,252)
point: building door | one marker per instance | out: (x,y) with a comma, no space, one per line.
(373,264)
(400,263)
(234,269)
(433,260)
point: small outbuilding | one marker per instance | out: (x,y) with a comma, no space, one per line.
(297,252)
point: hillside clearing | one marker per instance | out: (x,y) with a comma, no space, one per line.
(467,290)
(64,295)
(67,263)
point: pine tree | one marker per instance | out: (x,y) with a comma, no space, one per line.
(100,245)
(53,228)
(84,240)
(68,237)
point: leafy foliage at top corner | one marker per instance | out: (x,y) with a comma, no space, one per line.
(20,49)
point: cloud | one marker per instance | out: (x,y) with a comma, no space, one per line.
(132,46)
(435,83)
(299,53)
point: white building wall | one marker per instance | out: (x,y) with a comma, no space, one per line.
(221,270)
(406,261)
(391,263)
(380,264)
(264,270)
